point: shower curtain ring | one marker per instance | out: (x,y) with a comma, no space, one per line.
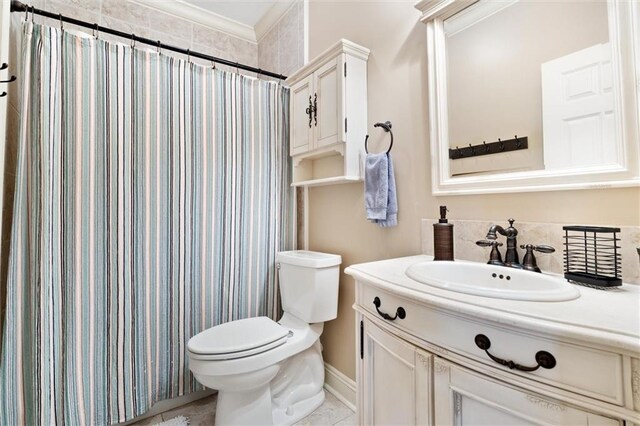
(159,44)
(95,30)
(33,14)
(61,24)
(237,69)
(189,55)
(133,40)
(213,65)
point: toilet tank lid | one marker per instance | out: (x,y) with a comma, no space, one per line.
(309,259)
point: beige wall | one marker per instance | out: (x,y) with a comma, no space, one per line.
(398,92)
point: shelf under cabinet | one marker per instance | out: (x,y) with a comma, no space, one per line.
(328,181)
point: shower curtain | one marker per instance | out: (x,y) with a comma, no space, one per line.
(151,197)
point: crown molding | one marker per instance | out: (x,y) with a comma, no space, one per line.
(200,16)
(272,17)
(342,46)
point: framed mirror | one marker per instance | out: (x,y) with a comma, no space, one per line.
(533,95)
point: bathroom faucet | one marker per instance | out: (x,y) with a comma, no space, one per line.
(511,255)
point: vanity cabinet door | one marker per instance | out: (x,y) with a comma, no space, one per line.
(463,397)
(396,380)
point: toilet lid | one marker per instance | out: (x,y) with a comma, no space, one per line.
(238,338)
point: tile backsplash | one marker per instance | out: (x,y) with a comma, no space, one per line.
(467,232)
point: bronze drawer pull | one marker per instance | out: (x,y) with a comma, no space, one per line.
(400,312)
(543,358)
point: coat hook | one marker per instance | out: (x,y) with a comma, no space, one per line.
(473,151)
(459,151)
(3,94)
(11,79)
(486,147)
(518,143)
(501,144)
(4,66)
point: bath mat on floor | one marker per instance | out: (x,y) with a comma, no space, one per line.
(176,421)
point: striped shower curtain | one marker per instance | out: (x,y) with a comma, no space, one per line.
(151,197)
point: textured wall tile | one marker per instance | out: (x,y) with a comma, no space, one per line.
(245,52)
(127,11)
(630,239)
(289,43)
(268,51)
(467,232)
(169,24)
(85,10)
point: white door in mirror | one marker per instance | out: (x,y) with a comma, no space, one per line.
(578,110)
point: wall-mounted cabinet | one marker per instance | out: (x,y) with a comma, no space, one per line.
(329,116)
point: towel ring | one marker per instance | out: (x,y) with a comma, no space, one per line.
(387,128)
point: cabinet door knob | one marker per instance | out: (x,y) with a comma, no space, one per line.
(400,312)
(543,358)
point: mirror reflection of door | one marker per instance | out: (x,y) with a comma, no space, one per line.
(495,54)
(577,109)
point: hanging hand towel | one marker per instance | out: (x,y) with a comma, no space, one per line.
(380,190)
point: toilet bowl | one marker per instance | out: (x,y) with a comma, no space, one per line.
(269,372)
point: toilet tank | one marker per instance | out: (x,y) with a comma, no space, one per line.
(309,284)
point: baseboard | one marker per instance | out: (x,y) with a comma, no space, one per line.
(340,386)
(169,404)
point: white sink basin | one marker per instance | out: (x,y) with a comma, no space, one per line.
(498,282)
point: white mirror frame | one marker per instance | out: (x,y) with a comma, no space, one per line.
(624,36)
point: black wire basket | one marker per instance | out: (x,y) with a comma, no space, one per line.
(592,255)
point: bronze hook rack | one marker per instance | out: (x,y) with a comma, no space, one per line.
(497,147)
(13,78)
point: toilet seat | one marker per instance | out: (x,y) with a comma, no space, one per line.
(238,339)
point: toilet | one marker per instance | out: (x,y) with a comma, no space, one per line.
(269,372)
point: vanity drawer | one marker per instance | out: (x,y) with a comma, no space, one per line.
(590,372)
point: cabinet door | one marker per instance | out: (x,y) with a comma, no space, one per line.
(301,125)
(463,397)
(396,380)
(328,84)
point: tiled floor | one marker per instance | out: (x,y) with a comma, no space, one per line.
(203,411)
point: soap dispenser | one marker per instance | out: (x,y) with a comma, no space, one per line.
(443,237)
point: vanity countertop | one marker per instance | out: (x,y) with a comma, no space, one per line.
(607,317)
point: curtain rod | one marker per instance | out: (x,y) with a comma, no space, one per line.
(17,6)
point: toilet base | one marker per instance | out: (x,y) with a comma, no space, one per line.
(249,401)
(299,410)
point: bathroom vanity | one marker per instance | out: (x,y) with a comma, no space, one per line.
(432,356)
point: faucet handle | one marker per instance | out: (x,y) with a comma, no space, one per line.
(495,258)
(488,243)
(540,248)
(529,263)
